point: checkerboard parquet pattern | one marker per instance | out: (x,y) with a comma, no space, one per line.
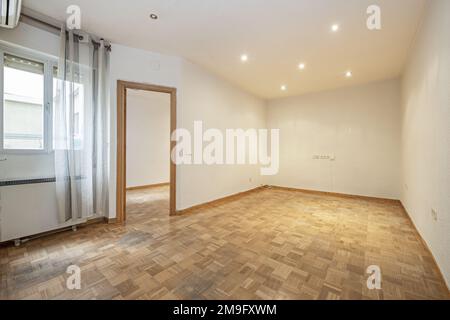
(270,244)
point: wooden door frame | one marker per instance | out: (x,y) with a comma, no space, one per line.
(122,87)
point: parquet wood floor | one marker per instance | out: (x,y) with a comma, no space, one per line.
(270,244)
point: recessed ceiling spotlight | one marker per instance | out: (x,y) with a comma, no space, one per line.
(348,74)
(283,87)
(301,66)
(153,16)
(244,58)
(335,27)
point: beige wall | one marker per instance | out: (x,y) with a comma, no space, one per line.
(359,126)
(148,138)
(426,132)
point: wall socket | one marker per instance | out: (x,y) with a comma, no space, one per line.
(434,214)
(324,157)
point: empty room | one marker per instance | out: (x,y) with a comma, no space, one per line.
(225,150)
(147,153)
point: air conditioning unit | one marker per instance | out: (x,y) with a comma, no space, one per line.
(10,13)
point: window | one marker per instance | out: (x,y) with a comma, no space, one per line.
(25,88)
(77,123)
(23,104)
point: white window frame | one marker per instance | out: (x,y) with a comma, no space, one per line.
(49,62)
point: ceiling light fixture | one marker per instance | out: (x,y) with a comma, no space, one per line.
(301,66)
(244,58)
(348,74)
(335,28)
(153,16)
(283,87)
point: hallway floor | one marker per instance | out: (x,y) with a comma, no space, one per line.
(269,244)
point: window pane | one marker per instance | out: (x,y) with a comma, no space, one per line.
(70,129)
(23,114)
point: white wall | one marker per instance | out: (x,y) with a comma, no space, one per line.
(148,138)
(426,132)
(31,37)
(357,125)
(219,105)
(201,96)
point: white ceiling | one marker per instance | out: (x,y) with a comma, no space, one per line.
(276,34)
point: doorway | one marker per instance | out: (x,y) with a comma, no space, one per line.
(123,89)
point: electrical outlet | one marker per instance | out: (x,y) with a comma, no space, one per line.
(250,180)
(323,157)
(434,214)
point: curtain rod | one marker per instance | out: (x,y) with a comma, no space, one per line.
(56,28)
